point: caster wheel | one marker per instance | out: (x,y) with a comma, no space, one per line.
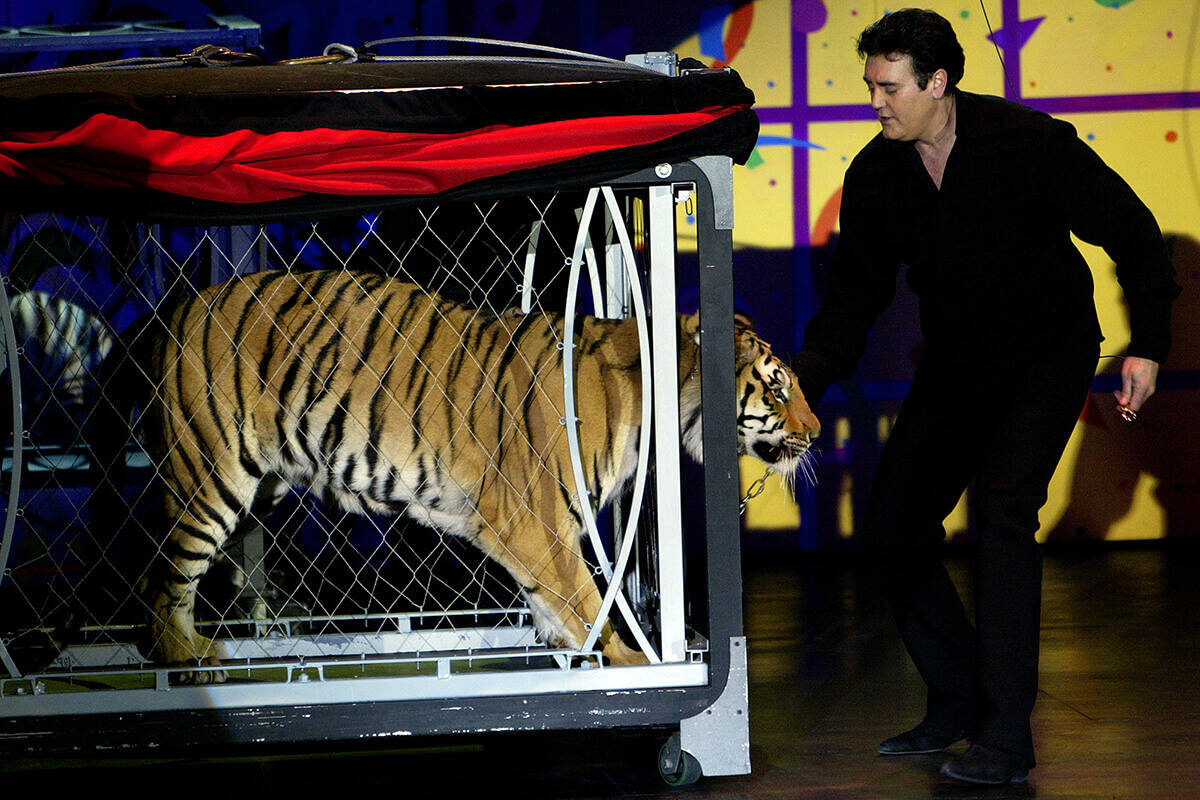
(676,766)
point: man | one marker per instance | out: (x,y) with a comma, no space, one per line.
(978,197)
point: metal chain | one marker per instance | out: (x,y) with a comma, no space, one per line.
(755,490)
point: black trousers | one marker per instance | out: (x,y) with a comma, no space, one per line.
(1002,426)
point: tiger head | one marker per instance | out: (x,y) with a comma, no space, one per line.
(774,422)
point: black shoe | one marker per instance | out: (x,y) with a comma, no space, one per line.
(986,765)
(925,738)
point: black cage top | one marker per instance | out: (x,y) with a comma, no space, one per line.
(255,142)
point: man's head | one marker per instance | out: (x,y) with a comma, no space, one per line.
(914,62)
(927,38)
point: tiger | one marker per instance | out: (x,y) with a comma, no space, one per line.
(383,398)
(63,346)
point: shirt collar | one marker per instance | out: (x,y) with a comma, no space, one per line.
(965,114)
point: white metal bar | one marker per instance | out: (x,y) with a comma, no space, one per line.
(618,306)
(594,278)
(384,643)
(570,420)
(257,694)
(616,579)
(664,326)
(108,655)
(530,257)
(616,283)
(589,255)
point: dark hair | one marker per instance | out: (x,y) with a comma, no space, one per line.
(925,36)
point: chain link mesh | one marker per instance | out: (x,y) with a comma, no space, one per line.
(300,576)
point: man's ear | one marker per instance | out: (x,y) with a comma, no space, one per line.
(939,81)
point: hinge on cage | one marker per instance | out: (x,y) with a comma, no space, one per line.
(665,62)
(684,196)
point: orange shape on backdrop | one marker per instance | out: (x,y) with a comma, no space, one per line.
(735,38)
(827,219)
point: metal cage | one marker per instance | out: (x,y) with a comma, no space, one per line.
(343,626)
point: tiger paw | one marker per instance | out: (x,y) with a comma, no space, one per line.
(187,657)
(198,677)
(619,654)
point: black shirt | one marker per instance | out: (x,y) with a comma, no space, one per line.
(989,255)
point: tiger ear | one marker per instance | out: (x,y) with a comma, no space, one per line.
(689,326)
(745,341)
(742,322)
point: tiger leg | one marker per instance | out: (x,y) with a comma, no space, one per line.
(248,573)
(561,589)
(204,517)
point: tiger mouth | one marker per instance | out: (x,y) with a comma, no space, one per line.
(789,449)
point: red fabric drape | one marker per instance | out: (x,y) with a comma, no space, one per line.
(108,152)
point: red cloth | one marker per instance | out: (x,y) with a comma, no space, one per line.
(108,152)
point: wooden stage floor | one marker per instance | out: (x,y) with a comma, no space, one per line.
(1118,715)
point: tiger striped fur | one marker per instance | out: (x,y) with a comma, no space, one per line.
(62,346)
(383,398)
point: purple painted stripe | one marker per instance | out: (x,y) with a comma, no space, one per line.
(799,120)
(1011,15)
(803,295)
(858,111)
(769,116)
(1159,101)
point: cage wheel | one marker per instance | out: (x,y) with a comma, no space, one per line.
(676,766)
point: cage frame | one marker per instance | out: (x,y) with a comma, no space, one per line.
(705,695)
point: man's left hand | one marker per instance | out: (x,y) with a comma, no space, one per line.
(1139,377)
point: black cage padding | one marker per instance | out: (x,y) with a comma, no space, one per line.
(544,124)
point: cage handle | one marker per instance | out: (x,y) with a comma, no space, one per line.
(539,48)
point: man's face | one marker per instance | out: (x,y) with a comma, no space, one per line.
(905,111)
